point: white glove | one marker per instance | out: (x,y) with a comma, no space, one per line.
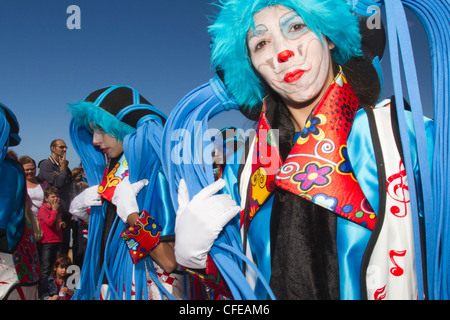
(124,197)
(86,199)
(199,222)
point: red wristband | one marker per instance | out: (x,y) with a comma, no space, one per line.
(142,237)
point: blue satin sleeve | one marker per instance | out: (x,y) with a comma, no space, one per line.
(352,239)
(259,239)
(362,157)
(161,206)
(230,175)
(259,231)
(12,204)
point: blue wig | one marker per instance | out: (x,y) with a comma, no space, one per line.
(331,18)
(88,114)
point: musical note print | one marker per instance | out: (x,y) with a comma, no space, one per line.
(396,271)
(380,294)
(397,189)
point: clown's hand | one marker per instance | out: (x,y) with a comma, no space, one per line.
(124,197)
(86,199)
(200,221)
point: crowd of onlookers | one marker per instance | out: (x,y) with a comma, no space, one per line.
(61,238)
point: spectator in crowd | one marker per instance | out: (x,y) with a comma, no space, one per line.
(55,170)
(79,226)
(13,154)
(55,286)
(51,224)
(35,193)
(79,181)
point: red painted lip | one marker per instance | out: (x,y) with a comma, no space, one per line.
(294,75)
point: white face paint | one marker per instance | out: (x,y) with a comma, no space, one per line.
(289,56)
(107,143)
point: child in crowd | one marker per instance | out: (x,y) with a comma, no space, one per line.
(51,225)
(55,286)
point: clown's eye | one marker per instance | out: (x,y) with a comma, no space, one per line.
(296,27)
(260,45)
(97,129)
(292,25)
(296,30)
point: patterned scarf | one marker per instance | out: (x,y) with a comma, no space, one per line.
(113,178)
(317,168)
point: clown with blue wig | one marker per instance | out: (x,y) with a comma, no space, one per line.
(330,197)
(129,254)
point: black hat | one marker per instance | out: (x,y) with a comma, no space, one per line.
(116,109)
(116,99)
(14,138)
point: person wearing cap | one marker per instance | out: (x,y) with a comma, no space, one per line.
(316,216)
(129,253)
(19,261)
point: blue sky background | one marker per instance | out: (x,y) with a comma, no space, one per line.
(160,48)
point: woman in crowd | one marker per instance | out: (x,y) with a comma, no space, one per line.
(35,192)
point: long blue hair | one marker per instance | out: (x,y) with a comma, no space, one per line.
(433,267)
(184,133)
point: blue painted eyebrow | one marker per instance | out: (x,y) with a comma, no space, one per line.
(287,21)
(257,31)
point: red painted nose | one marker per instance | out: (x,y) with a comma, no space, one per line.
(285,55)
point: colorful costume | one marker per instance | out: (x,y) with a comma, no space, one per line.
(313,180)
(125,269)
(329,212)
(19,261)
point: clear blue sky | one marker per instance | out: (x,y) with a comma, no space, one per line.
(161,48)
